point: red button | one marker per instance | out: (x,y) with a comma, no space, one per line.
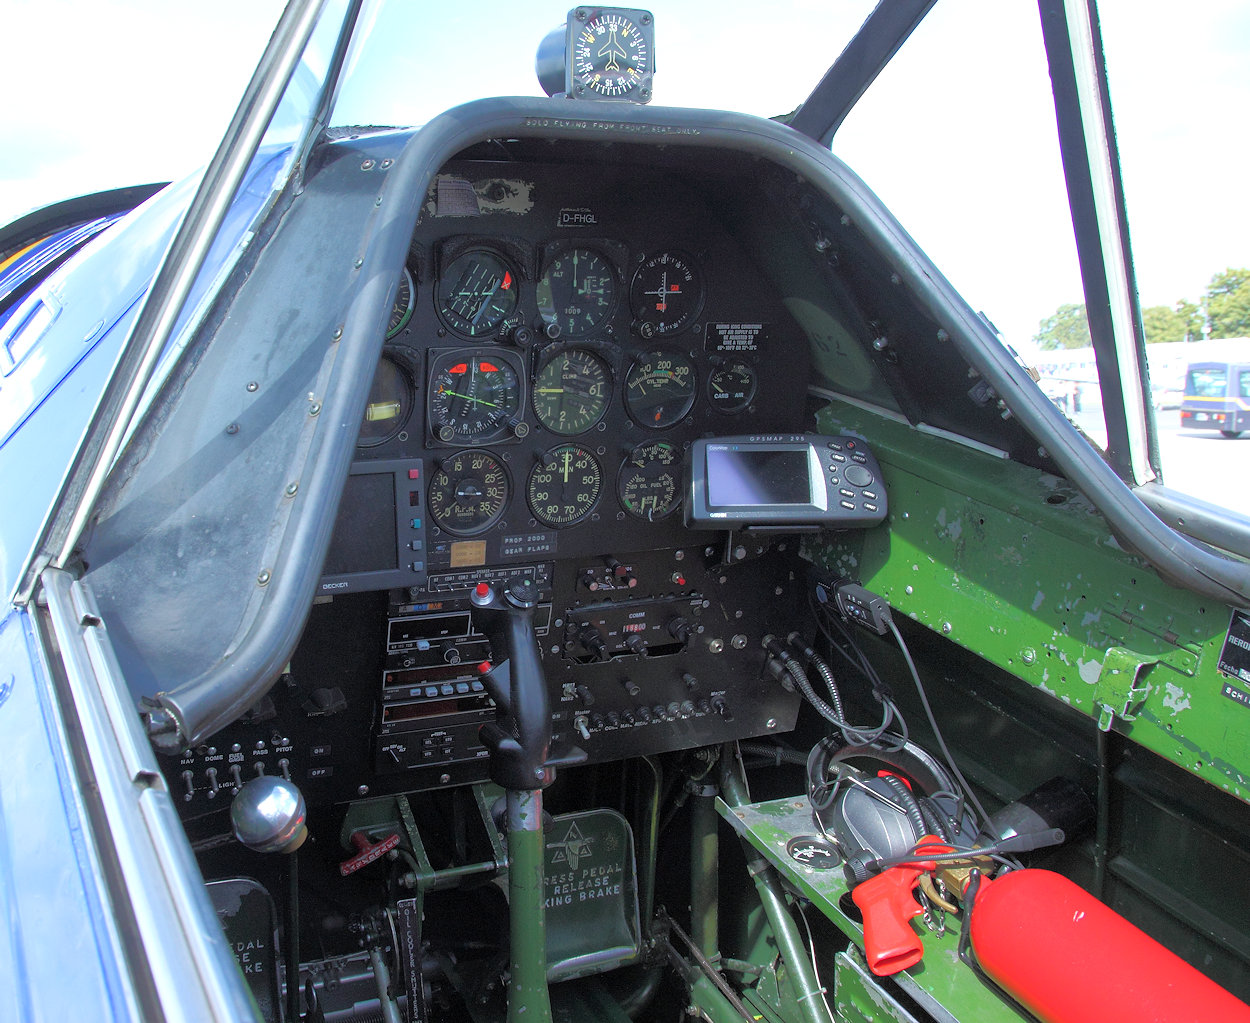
(414,474)
(482,590)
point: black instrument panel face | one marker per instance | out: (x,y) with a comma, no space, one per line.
(552,359)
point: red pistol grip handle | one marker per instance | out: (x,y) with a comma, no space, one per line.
(887,903)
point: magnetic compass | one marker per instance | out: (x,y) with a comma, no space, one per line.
(611,53)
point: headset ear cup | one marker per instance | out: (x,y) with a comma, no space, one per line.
(863,834)
(858,868)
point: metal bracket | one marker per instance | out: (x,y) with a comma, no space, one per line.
(1120,690)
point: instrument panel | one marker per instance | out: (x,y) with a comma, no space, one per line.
(559,337)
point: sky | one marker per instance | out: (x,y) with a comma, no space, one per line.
(957,137)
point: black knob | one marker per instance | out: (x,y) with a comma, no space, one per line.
(592,639)
(636,644)
(631,686)
(679,629)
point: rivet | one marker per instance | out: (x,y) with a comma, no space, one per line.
(292,489)
(232,429)
(359,263)
(337,335)
(314,408)
(946,628)
(367,165)
(362,790)
(1028,656)
(253,386)
(385,163)
(264,577)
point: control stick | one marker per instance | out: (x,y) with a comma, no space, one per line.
(269,815)
(519,739)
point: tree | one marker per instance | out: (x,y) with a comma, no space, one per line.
(1068,327)
(1228,303)
(1184,323)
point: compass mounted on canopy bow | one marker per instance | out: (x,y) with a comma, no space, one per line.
(600,53)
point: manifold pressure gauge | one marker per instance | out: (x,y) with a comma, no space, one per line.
(608,54)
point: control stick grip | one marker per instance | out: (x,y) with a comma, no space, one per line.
(520,737)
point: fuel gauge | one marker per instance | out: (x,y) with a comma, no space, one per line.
(647,485)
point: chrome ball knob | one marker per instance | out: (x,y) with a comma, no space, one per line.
(268,815)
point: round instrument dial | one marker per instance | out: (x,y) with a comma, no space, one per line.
(610,56)
(666,294)
(389,404)
(477,292)
(472,395)
(660,387)
(571,391)
(578,292)
(468,492)
(564,486)
(405,302)
(647,485)
(731,387)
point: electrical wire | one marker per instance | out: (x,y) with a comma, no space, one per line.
(937,732)
(811,947)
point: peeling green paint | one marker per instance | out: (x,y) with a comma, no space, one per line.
(947,558)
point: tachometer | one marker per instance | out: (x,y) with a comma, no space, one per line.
(666,294)
(660,387)
(389,404)
(477,292)
(647,485)
(571,391)
(564,486)
(578,292)
(468,492)
(472,395)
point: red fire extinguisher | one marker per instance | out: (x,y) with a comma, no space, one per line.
(1068,958)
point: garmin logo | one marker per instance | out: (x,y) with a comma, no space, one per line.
(334,586)
(576,218)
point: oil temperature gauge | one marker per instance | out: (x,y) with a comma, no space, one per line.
(647,485)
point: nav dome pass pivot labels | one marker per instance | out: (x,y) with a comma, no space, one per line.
(799,480)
